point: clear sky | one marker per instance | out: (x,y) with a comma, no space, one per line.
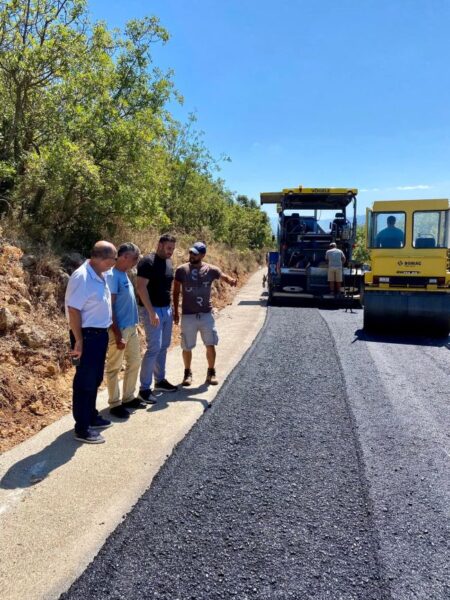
(322,93)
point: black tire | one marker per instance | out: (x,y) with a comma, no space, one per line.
(273,300)
(361,293)
(369,322)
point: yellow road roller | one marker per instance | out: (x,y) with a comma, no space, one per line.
(408,286)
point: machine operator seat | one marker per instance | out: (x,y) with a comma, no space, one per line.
(425,242)
(293,225)
(339,224)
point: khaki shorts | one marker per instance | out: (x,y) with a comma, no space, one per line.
(335,274)
(192,324)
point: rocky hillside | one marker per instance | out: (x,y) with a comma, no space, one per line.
(33,345)
(35,370)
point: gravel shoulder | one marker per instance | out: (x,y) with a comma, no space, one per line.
(265,498)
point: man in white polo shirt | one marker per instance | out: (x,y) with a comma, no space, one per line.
(88,310)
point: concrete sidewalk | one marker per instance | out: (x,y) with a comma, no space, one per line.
(59,499)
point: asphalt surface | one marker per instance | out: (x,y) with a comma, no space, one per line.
(270,494)
(398,392)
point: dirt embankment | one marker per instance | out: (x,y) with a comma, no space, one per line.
(35,370)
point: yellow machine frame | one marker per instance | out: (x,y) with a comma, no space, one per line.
(408,283)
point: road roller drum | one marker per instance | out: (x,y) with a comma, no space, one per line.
(407,312)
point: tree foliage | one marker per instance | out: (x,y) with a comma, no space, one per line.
(360,251)
(86,139)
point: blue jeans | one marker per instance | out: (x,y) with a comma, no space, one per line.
(88,377)
(158,340)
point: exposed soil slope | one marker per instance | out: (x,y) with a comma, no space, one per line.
(35,370)
(34,380)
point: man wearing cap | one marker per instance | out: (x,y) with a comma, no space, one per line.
(153,284)
(195,278)
(335,259)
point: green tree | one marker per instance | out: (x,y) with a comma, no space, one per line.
(87,143)
(360,251)
(38,41)
(82,129)
(247,225)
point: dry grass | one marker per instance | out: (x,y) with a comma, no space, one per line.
(35,384)
(230,260)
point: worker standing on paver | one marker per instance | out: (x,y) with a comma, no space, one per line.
(195,279)
(123,335)
(89,312)
(153,284)
(335,259)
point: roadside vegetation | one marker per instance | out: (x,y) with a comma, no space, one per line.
(88,145)
(90,150)
(360,252)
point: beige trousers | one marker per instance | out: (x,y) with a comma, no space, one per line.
(114,360)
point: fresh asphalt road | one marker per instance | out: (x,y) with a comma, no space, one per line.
(320,472)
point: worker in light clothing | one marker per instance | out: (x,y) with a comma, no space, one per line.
(335,259)
(88,310)
(123,335)
(195,279)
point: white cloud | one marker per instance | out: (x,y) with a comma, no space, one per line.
(413,187)
(398,187)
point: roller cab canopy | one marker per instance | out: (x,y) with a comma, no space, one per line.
(411,205)
(310,198)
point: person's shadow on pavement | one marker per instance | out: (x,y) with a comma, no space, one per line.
(35,468)
(183,394)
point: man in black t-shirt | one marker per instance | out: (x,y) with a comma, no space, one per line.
(153,284)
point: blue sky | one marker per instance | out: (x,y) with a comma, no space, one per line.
(319,93)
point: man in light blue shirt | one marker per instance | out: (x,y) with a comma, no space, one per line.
(391,236)
(88,310)
(123,335)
